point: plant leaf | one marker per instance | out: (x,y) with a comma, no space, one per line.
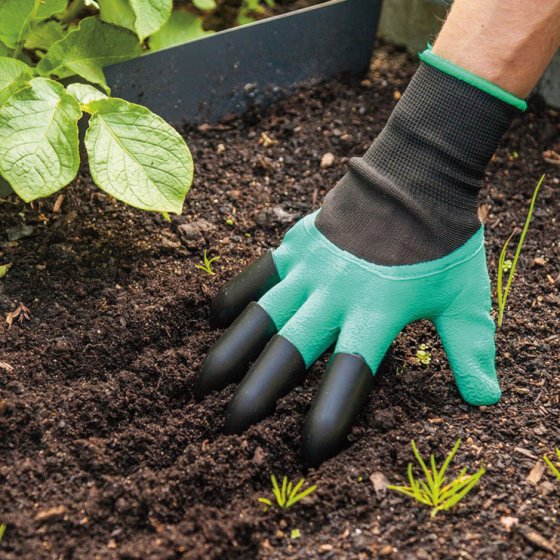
(521,241)
(421,462)
(458,496)
(13,73)
(48,8)
(181,27)
(4,269)
(276,490)
(553,468)
(265,501)
(39,139)
(448,459)
(43,34)
(301,495)
(150,16)
(205,5)
(15,16)
(137,157)
(87,49)
(85,94)
(284,487)
(118,12)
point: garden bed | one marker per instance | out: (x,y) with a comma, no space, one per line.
(105,454)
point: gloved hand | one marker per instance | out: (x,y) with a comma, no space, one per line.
(397,240)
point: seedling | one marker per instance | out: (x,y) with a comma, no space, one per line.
(424,355)
(553,468)
(2,531)
(289,494)
(504,266)
(435,491)
(4,269)
(207,264)
(134,155)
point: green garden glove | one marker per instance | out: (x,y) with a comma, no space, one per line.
(397,240)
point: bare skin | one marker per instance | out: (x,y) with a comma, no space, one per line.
(507,43)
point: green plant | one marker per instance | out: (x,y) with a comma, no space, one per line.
(207,264)
(2,531)
(503,265)
(134,155)
(288,494)
(435,491)
(4,269)
(553,468)
(424,355)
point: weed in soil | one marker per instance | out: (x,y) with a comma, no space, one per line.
(288,495)
(435,491)
(505,266)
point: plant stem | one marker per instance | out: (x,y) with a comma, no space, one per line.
(517,253)
(72,11)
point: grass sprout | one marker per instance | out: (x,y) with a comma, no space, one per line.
(2,531)
(207,264)
(287,495)
(435,491)
(505,266)
(553,468)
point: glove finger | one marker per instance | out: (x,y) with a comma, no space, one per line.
(313,328)
(229,359)
(468,340)
(282,365)
(369,336)
(277,370)
(249,285)
(342,394)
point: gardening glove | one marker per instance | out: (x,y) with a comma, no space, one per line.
(397,240)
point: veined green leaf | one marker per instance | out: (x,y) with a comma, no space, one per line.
(13,73)
(15,16)
(43,34)
(47,8)
(85,94)
(39,139)
(87,49)
(117,12)
(181,27)
(137,157)
(150,16)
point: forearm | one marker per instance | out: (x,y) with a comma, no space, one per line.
(507,43)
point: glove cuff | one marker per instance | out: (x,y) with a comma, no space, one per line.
(460,73)
(413,196)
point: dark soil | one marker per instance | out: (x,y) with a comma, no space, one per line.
(105,455)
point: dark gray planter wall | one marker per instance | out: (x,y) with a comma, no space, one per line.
(412,23)
(228,72)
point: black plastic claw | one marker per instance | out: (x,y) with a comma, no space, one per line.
(342,394)
(229,359)
(249,285)
(278,369)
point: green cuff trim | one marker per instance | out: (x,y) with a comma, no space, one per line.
(444,65)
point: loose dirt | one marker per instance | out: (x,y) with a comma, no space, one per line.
(104,454)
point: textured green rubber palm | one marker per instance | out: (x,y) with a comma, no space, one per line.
(328,295)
